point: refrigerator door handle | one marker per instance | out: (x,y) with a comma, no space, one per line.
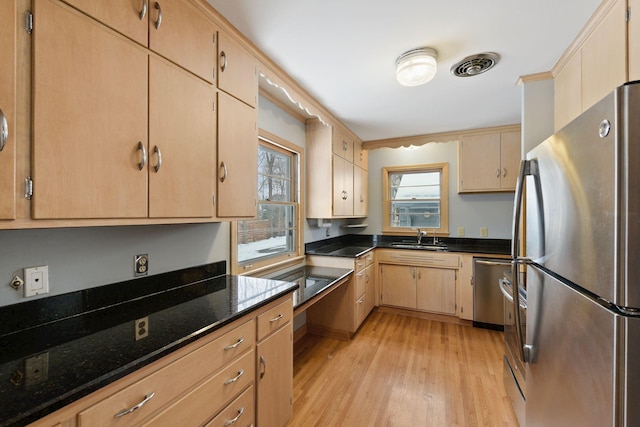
(527,167)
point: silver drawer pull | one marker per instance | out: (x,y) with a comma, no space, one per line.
(156,150)
(275,319)
(143,11)
(234,420)
(159,21)
(138,406)
(232,346)
(4,130)
(236,378)
(143,158)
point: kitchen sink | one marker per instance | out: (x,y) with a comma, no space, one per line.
(419,246)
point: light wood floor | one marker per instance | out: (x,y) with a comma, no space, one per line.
(401,371)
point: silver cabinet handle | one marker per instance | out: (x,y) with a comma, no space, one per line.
(4,130)
(159,21)
(223,166)
(264,367)
(232,346)
(143,160)
(275,319)
(413,273)
(143,11)
(223,61)
(497,173)
(134,408)
(504,172)
(157,151)
(234,420)
(236,378)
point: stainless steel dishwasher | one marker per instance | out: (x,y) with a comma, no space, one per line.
(488,308)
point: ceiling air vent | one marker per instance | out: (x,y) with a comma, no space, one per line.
(475,64)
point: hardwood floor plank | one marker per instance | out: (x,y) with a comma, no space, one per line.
(401,371)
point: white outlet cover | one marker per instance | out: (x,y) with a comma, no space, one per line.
(36,280)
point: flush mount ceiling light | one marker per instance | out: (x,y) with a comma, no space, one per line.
(416,67)
(475,64)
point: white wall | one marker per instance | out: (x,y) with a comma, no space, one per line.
(471,211)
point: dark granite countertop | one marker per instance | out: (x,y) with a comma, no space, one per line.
(354,245)
(56,350)
(312,281)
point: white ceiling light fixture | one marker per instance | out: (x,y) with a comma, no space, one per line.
(416,67)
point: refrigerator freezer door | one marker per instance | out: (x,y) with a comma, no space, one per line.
(571,372)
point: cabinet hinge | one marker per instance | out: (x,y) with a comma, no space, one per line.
(627,15)
(28,21)
(28,188)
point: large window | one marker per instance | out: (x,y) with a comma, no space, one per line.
(416,197)
(274,235)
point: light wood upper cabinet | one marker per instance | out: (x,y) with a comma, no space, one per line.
(8,109)
(331,161)
(174,29)
(237,70)
(237,158)
(124,16)
(183,35)
(360,155)
(488,162)
(607,58)
(181,131)
(89,118)
(633,38)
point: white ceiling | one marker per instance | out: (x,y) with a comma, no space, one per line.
(343,52)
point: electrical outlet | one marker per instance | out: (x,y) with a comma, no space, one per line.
(36,369)
(36,280)
(142,328)
(460,231)
(141,265)
(484,232)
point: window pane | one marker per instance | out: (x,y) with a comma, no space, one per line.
(273,163)
(415,214)
(418,185)
(271,234)
(274,189)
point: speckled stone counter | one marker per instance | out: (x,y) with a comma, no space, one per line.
(56,350)
(354,245)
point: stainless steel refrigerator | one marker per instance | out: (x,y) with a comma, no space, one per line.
(582,262)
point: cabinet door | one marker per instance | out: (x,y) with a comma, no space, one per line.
(634,41)
(237,158)
(182,34)
(604,56)
(342,187)
(8,109)
(509,159)
(479,162)
(436,290)
(182,131)
(370,297)
(360,191)
(89,118)
(275,378)
(464,288)
(398,285)
(237,70)
(124,16)
(360,156)
(342,145)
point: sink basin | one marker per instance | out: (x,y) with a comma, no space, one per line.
(419,246)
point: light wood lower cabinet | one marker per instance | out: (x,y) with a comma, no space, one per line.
(415,280)
(211,381)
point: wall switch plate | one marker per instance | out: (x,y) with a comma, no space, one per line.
(460,231)
(142,328)
(484,232)
(36,280)
(141,265)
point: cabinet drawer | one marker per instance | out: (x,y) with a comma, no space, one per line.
(170,381)
(362,278)
(419,258)
(361,310)
(241,410)
(368,258)
(360,264)
(275,318)
(201,403)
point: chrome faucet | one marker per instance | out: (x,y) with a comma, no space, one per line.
(421,234)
